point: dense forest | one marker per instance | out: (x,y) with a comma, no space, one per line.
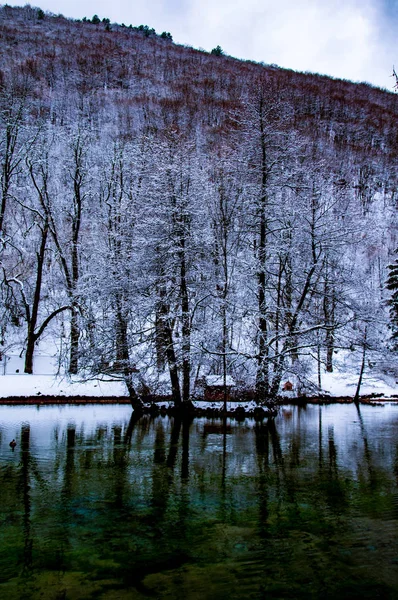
(168,213)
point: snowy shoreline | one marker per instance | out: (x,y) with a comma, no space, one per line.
(167,402)
(46,389)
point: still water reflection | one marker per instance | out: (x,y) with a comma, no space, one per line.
(94,504)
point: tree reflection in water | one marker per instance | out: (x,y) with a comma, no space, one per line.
(299,506)
(24,491)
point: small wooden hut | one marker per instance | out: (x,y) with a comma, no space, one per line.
(288,386)
(214,388)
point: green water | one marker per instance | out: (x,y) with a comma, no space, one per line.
(96,505)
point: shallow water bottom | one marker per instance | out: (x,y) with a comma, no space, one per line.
(95,504)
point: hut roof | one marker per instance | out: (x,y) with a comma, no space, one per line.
(218,381)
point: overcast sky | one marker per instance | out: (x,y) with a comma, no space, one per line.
(353,39)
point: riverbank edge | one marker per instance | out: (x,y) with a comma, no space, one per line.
(163,406)
(84,399)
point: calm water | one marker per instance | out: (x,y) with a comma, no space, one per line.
(95,505)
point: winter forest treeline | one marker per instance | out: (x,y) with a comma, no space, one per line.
(168,214)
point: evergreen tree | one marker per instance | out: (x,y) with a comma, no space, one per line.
(217,51)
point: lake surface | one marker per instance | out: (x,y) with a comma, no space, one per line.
(94,505)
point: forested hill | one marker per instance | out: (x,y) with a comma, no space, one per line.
(79,69)
(167,214)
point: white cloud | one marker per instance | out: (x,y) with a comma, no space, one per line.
(343,39)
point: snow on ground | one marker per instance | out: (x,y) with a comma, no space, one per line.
(344,379)
(333,384)
(50,385)
(344,384)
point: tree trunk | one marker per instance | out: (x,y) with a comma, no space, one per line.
(172,362)
(167,339)
(224,350)
(278,304)
(123,355)
(122,352)
(186,329)
(6,176)
(318,358)
(356,397)
(160,341)
(262,381)
(30,347)
(74,342)
(329,303)
(278,374)
(78,179)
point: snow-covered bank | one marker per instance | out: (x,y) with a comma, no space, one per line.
(22,385)
(334,385)
(345,384)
